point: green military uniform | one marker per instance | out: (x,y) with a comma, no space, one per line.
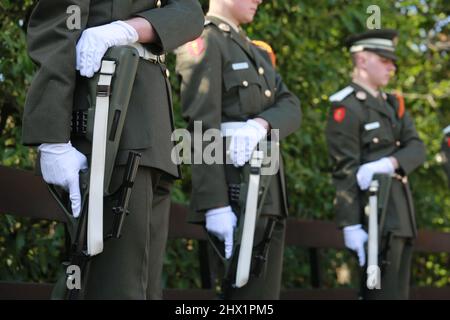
(445,149)
(363,128)
(225,78)
(131,266)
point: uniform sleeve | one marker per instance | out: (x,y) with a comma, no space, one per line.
(412,153)
(51,45)
(285,114)
(176,23)
(199,65)
(342,133)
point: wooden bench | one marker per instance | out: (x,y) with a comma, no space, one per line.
(23,194)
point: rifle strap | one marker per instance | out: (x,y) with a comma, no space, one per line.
(245,252)
(97,168)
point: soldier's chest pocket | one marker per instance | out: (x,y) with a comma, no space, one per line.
(137,5)
(245,86)
(376,136)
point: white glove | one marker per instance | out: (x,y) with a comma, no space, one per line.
(354,238)
(244,140)
(94,42)
(221,223)
(366,171)
(60,165)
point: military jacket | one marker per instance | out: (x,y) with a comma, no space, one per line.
(361,129)
(57,89)
(224,77)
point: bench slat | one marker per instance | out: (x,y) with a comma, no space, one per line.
(24,194)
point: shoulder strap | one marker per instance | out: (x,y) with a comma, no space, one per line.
(401,104)
(266,47)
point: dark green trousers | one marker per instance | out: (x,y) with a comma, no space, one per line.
(395,272)
(131,267)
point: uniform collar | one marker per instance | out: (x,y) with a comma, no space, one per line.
(237,36)
(371,101)
(227,21)
(374,93)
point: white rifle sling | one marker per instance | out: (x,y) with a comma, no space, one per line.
(373,275)
(246,248)
(96,181)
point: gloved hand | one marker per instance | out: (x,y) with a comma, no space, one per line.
(94,42)
(366,171)
(60,165)
(354,238)
(221,223)
(244,140)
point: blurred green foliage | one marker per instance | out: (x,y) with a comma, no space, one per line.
(307,37)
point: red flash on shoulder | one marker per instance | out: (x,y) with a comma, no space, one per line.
(339,114)
(196,47)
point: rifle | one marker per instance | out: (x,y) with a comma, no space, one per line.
(378,197)
(102,124)
(247,191)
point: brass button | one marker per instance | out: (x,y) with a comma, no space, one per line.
(361,95)
(261,70)
(375,140)
(398,143)
(158,4)
(268,93)
(167,73)
(245,83)
(224,27)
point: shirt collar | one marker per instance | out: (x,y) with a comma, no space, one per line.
(374,93)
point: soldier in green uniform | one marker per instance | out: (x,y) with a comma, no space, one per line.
(445,150)
(370,132)
(227,82)
(129,268)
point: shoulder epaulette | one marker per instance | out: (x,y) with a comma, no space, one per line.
(401,104)
(342,94)
(266,47)
(447,130)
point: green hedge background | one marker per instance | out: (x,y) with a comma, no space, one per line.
(307,37)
